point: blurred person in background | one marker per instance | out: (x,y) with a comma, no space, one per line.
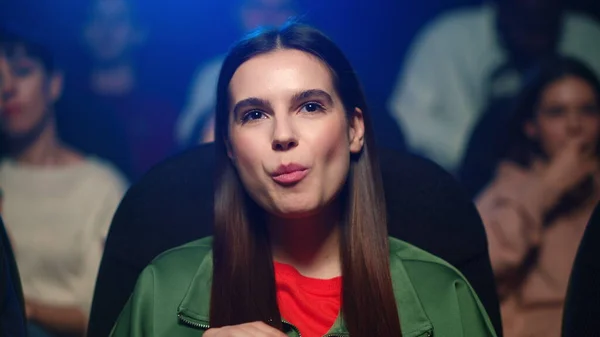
(469,60)
(12,318)
(195,124)
(113,111)
(57,203)
(536,209)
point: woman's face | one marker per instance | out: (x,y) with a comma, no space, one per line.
(289,136)
(30,95)
(568,108)
(110,32)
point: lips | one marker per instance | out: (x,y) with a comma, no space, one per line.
(11,110)
(289,174)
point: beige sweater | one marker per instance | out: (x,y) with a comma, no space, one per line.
(532,260)
(58,218)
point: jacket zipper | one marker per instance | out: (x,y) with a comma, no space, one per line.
(193,324)
(426,334)
(292,326)
(336,335)
(206,326)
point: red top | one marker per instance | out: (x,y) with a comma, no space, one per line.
(312,305)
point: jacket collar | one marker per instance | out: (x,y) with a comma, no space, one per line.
(195,306)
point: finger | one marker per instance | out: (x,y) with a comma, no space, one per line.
(575,142)
(593,166)
(267,329)
(245,330)
(212,332)
(586,169)
(254,329)
(580,137)
(230,331)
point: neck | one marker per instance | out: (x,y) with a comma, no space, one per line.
(113,79)
(310,244)
(39,148)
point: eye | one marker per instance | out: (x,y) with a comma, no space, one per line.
(252,115)
(554,111)
(590,110)
(311,107)
(22,71)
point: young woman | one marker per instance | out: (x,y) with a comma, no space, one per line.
(300,243)
(57,204)
(537,207)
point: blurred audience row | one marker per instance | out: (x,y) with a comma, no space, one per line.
(505,96)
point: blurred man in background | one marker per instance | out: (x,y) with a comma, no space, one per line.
(124,120)
(195,123)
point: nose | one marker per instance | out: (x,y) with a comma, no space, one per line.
(284,138)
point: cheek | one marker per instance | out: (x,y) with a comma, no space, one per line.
(592,127)
(552,131)
(32,102)
(331,145)
(32,96)
(548,135)
(336,139)
(248,152)
(31,92)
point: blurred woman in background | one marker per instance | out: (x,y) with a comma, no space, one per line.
(58,203)
(536,209)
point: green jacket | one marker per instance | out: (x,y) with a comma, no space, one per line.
(172,296)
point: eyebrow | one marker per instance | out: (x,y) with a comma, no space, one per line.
(249,102)
(21,59)
(313,93)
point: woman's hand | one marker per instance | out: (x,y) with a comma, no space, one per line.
(569,167)
(254,329)
(30,310)
(68,320)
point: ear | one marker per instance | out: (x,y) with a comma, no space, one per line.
(213,122)
(356,131)
(230,153)
(531,130)
(55,86)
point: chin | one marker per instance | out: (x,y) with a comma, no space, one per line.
(17,132)
(295,211)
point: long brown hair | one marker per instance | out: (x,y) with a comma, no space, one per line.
(243,288)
